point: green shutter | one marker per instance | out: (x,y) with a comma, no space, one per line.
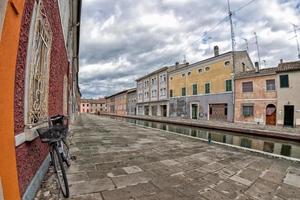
(195,89)
(284,81)
(183,92)
(207,88)
(228,85)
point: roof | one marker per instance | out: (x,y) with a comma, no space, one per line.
(123,91)
(289,66)
(131,90)
(152,73)
(208,60)
(100,100)
(253,73)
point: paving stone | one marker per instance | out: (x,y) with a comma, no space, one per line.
(95,196)
(262,189)
(292,179)
(288,192)
(91,186)
(118,160)
(131,179)
(132,169)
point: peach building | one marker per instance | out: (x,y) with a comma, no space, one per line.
(94,106)
(256,96)
(117,103)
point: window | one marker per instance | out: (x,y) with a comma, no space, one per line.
(200,70)
(247,86)
(38,80)
(207,68)
(247,110)
(171,93)
(284,81)
(225,110)
(227,63)
(195,89)
(189,73)
(171,78)
(83,105)
(228,85)
(207,88)
(182,75)
(183,91)
(270,85)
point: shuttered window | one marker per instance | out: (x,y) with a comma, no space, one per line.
(284,81)
(270,85)
(183,91)
(207,88)
(228,85)
(195,89)
(247,86)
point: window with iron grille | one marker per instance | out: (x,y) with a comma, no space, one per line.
(270,85)
(248,110)
(247,86)
(40,46)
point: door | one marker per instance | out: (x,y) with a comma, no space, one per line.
(194,111)
(218,112)
(163,110)
(271,114)
(289,115)
(146,109)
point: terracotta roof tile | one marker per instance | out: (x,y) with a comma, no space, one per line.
(253,73)
(289,66)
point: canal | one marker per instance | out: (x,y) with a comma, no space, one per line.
(270,146)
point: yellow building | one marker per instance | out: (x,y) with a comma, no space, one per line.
(203,90)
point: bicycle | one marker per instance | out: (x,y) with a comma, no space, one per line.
(55,135)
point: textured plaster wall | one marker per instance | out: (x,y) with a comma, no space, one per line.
(30,155)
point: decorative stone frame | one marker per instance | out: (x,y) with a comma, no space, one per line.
(37,68)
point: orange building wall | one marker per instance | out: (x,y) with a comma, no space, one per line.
(8,53)
(260,97)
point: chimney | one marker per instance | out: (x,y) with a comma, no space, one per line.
(256,67)
(216,50)
(281,61)
(177,63)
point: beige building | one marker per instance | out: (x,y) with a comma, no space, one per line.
(152,93)
(204,90)
(288,92)
(117,103)
(95,106)
(256,96)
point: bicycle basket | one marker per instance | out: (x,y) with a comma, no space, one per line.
(47,135)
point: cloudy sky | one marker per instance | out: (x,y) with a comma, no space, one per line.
(122,40)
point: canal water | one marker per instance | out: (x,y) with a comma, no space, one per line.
(286,148)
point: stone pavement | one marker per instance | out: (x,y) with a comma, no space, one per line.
(120,161)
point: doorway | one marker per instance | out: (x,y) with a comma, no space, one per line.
(146,110)
(271,115)
(163,109)
(289,115)
(194,111)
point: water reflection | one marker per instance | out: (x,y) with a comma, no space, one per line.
(285,148)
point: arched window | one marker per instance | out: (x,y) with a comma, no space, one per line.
(37,67)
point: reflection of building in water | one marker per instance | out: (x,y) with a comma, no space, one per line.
(258,145)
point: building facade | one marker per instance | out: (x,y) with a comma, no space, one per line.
(131,102)
(39,72)
(152,93)
(256,97)
(204,90)
(94,106)
(288,81)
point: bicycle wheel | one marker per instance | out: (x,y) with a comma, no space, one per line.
(60,172)
(65,152)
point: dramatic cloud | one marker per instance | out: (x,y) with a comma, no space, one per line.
(122,40)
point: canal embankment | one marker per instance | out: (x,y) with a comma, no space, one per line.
(278,132)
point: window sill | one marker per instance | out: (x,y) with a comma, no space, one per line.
(31,131)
